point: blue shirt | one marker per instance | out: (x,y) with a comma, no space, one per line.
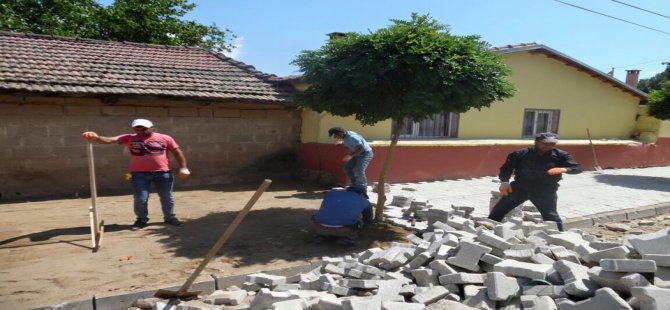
(352,140)
(343,208)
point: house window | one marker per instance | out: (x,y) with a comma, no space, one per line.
(436,126)
(537,121)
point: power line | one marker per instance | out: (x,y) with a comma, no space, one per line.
(639,8)
(623,20)
(641,63)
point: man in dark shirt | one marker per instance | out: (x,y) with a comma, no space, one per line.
(342,214)
(537,171)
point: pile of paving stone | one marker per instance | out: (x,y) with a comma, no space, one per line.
(461,262)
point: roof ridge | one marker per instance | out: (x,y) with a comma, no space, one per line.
(246,67)
(64,38)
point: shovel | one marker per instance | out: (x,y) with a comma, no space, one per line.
(183,291)
(593,149)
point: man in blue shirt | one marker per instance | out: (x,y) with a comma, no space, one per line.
(342,213)
(359,156)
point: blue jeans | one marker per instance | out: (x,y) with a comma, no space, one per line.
(141,182)
(355,168)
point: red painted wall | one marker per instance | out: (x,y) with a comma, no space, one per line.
(426,163)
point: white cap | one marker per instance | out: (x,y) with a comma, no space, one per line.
(142,122)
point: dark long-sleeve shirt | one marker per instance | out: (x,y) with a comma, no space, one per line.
(530,168)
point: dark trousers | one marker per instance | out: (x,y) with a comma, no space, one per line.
(543,199)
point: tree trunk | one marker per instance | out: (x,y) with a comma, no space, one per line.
(381,199)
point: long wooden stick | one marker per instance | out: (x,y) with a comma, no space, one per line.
(93,211)
(593,149)
(226,234)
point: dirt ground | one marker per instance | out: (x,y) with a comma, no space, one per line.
(46,256)
(615,233)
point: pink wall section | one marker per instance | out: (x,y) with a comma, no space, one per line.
(425,163)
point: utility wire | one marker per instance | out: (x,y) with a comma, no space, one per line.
(642,63)
(623,20)
(639,8)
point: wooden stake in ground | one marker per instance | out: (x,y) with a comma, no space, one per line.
(96,229)
(183,291)
(593,149)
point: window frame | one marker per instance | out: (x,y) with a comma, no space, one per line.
(554,119)
(452,130)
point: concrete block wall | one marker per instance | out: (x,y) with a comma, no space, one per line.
(44,155)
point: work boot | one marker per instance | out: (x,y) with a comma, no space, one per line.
(139,224)
(174,222)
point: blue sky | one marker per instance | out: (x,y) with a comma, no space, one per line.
(271,33)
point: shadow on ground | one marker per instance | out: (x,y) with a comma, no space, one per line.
(55,235)
(265,236)
(635,181)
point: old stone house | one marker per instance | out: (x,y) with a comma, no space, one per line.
(226,116)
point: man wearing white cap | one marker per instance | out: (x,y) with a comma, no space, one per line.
(149,163)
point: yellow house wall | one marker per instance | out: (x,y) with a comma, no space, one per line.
(315,127)
(544,83)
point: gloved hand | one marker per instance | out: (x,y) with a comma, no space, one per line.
(184,173)
(89,135)
(505,188)
(555,171)
(346,158)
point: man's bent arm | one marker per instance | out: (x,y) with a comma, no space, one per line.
(179,155)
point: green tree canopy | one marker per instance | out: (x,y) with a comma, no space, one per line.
(411,69)
(155,22)
(655,82)
(659,102)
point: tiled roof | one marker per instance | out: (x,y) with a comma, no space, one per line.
(39,63)
(533,47)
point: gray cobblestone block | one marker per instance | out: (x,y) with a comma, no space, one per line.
(441,267)
(662,260)
(540,258)
(362,304)
(507,230)
(468,256)
(420,260)
(408,290)
(543,303)
(266,279)
(651,298)
(553,291)
(662,277)
(447,304)
(431,295)
(568,239)
(604,299)
(356,283)
(329,304)
(251,287)
(265,298)
(293,304)
(520,255)
(365,255)
(390,290)
(285,287)
(398,276)
(537,241)
(610,279)
(330,268)
(576,279)
(425,277)
(395,305)
(640,213)
(325,260)
(354,273)
(443,252)
(599,245)
(325,280)
(463,278)
(634,279)
(338,290)
(546,250)
(458,222)
(492,240)
(514,268)
(443,226)
(652,243)
(491,259)
(561,253)
(500,287)
(220,297)
(628,265)
(475,296)
(620,252)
